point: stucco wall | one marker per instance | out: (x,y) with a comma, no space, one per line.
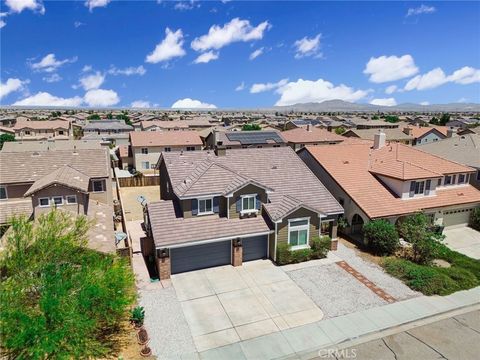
(249,189)
(153,154)
(80,207)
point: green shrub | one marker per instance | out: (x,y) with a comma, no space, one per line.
(137,315)
(382,237)
(475,219)
(300,255)
(283,254)
(320,246)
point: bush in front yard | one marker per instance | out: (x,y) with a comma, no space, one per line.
(382,237)
(319,247)
(475,219)
(283,254)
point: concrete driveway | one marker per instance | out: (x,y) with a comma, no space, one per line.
(465,240)
(224,305)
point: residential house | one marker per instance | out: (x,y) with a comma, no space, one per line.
(300,137)
(396,135)
(178,125)
(427,134)
(301,123)
(463,123)
(146,146)
(42,130)
(114,131)
(7,130)
(470,130)
(51,144)
(231,206)
(390,181)
(244,139)
(462,149)
(77,181)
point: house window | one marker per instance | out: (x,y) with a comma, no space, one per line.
(167,149)
(152,166)
(419,187)
(43,202)
(461,178)
(3,193)
(259,146)
(439,183)
(276,145)
(205,206)
(71,199)
(60,132)
(298,230)
(57,200)
(249,203)
(145,165)
(27,132)
(190,148)
(448,180)
(98,185)
(145,151)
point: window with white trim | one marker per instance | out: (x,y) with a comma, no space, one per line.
(3,193)
(205,206)
(44,202)
(71,199)
(57,200)
(448,180)
(419,187)
(298,233)
(145,165)
(145,151)
(461,178)
(167,149)
(190,148)
(249,203)
(98,185)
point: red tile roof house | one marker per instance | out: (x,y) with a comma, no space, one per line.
(244,139)
(42,130)
(392,180)
(146,146)
(300,137)
(231,206)
(77,181)
(426,134)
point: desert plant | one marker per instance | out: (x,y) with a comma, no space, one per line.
(137,315)
(382,237)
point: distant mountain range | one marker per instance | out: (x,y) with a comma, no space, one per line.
(345,106)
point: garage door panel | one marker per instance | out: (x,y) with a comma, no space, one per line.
(456,217)
(200,256)
(255,248)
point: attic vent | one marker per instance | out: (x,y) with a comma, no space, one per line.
(346,162)
(35,153)
(274,167)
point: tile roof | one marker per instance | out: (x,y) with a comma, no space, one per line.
(419,131)
(30,166)
(29,145)
(185,124)
(278,168)
(391,134)
(42,124)
(315,135)
(167,138)
(66,176)
(11,207)
(183,230)
(94,125)
(348,165)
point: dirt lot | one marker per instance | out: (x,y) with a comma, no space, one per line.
(132,208)
(361,253)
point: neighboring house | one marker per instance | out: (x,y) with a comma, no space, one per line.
(106,127)
(51,144)
(7,121)
(463,149)
(231,206)
(125,157)
(244,139)
(360,123)
(470,130)
(301,123)
(300,137)
(395,135)
(6,130)
(42,130)
(463,123)
(391,181)
(425,135)
(177,125)
(77,181)
(147,146)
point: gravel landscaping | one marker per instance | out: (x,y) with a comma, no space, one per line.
(167,328)
(376,274)
(334,290)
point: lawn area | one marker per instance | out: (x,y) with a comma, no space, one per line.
(463,273)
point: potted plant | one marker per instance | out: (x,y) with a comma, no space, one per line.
(137,315)
(146,351)
(142,336)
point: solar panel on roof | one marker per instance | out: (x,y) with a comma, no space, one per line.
(260,137)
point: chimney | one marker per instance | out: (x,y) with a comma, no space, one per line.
(407,130)
(215,137)
(379,140)
(450,133)
(220,150)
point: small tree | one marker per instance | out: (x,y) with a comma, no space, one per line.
(382,237)
(444,119)
(475,219)
(5,138)
(249,127)
(340,130)
(416,229)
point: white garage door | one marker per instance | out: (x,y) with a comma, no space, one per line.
(456,217)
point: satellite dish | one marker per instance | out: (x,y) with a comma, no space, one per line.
(142,200)
(119,236)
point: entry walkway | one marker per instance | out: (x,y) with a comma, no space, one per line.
(305,341)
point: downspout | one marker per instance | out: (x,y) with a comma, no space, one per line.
(275,248)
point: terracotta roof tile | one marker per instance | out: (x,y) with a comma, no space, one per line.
(167,138)
(314,135)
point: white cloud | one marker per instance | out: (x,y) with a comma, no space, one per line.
(391,89)
(17,6)
(256,53)
(424,103)
(2,23)
(92,4)
(140,104)
(87,68)
(390,68)
(11,85)
(188,103)
(437,77)
(384,102)
(307,47)
(50,64)
(206,57)
(186,5)
(46,99)
(258,88)
(169,48)
(423,9)
(52,78)
(77,24)
(234,31)
(139,70)
(92,81)
(101,98)
(462,100)
(240,87)
(304,91)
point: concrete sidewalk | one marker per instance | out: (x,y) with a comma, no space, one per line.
(305,341)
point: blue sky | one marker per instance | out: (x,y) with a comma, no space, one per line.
(237,54)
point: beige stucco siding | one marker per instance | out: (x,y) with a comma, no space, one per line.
(52,191)
(106,196)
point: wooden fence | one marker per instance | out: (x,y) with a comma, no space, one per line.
(139,181)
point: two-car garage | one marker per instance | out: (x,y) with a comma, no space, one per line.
(457,217)
(206,255)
